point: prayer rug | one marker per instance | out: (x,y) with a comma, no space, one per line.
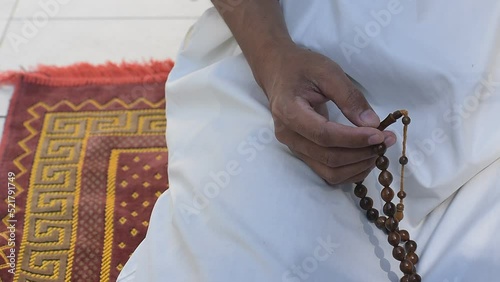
(82,161)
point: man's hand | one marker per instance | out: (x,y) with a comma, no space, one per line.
(298,83)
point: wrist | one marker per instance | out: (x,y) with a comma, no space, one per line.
(266,59)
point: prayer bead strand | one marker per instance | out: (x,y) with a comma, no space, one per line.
(393,213)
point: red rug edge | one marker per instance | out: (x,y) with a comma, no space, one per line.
(81,74)
(96,74)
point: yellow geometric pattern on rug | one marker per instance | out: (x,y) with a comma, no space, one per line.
(110,205)
(62,136)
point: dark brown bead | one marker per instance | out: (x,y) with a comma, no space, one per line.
(406,266)
(403,160)
(406,120)
(372,214)
(399,253)
(411,246)
(405,236)
(385,178)
(380,222)
(380,149)
(405,278)
(391,224)
(401,194)
(387,194)
(360,190)
(382,163)
(394,239)
(366,203)
(412,257)
(397,114)
(389,209)
(415,278)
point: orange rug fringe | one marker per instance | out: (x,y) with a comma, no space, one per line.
(84,74)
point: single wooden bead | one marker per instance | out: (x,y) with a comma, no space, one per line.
(399,211)
(412,257)
(405,278)
(394,238)
(366,203)
(387,194)
(406,120)
(397,114)
(405,236)
(380,222)
(391,224)
(411,246)
(399,253)
(406,267)
(385,178)
(403,160)
(382,162)
(399,215)
(389,209)
(401,194)
(380,149)
(415,278)
(400,207)
(372,214)
(360,190)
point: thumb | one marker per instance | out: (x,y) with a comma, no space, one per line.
(350,100)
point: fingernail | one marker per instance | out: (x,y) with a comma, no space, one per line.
(389,141)
(369,118)
(375,139)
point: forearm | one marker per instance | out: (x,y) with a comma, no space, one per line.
(259,29)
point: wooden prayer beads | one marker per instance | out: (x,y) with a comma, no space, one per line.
(394,214)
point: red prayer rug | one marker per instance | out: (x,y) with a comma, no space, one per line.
(82,161)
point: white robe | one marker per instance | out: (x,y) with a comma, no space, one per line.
(242,208)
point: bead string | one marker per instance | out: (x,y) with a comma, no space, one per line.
(393,214)
(403,161)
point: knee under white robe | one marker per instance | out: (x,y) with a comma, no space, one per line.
(242,208)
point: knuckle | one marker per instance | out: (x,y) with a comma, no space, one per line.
(279,127)
(275,111)
(280,132)
(280,136)
(283,112)
(288,140)
(288,113)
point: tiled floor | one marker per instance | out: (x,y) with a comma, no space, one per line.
(61,32)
